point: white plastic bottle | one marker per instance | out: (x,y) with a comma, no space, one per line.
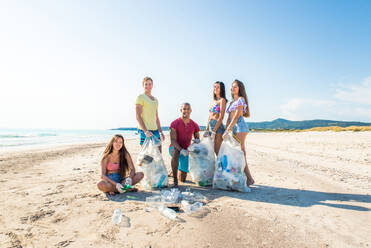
(189,209)
(117,216)
(167,212)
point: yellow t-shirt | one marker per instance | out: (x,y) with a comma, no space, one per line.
(149,109)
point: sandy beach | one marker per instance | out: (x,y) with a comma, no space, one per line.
(312,190)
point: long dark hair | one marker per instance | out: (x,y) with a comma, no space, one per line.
(122,154)
(242,93)
(222,91)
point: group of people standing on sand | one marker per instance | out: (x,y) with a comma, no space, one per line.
(117,164)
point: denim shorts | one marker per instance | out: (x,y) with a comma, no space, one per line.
(156,133)
(240,126)
(115,177)
(221,128)
(183,161)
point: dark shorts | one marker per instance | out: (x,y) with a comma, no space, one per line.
(156,133)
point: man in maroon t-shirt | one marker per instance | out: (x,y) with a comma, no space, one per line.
(181,132)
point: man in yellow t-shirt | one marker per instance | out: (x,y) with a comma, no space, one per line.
(147,113)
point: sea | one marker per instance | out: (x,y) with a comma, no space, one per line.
(13,139)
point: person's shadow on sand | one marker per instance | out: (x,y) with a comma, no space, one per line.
(298,197)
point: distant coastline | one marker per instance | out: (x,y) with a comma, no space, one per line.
(287,125)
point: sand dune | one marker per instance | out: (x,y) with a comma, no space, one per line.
(313,190)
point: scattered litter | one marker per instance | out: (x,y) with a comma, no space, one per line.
(117,216)
(167,212)
(153,202)
(191,208)
(132,197)
(171,196)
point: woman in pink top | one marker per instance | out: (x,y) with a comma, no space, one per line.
(116,164)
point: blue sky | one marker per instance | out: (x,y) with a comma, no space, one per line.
(79,64)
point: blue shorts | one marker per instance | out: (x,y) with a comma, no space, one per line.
(240,126)
(221,128)
(115,177)
(156,133)
(183,161)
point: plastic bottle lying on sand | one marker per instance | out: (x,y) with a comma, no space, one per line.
(190,209)
(167,212)
(153,202)
(117,216)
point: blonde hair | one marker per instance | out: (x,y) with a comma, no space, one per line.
(146,79)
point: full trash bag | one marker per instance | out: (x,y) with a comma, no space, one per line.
(150,162)
(229,168)
(202,161)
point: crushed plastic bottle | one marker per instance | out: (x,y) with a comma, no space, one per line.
(170,196)
(128,181)
(167,212)
(191,208)
(117,216)
(153,202)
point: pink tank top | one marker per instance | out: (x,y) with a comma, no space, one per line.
(112,166)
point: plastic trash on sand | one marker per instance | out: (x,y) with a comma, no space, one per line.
(171,196)
(153,202)
(191,208)
(151,163)
(167,212)
(229,169)
(117,216)
(202,161)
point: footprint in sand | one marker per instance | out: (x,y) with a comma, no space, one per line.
(64,243)
(38,215)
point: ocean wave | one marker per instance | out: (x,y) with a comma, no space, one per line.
(10,136)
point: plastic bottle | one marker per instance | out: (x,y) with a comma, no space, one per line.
(189,209)
(162,179)
(167,212)
(128,181)
(224,162)
(117,216)
(186,206)
(196,206)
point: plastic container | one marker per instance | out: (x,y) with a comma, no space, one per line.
(153,202)
(167,212)
(117,216)
(190,209)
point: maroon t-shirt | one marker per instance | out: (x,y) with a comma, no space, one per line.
(184,133)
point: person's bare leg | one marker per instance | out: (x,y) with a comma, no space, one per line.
(174,166)
(172,151)
(217,143)
(105,187)
(182,176)
(242,138)
(137,177)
